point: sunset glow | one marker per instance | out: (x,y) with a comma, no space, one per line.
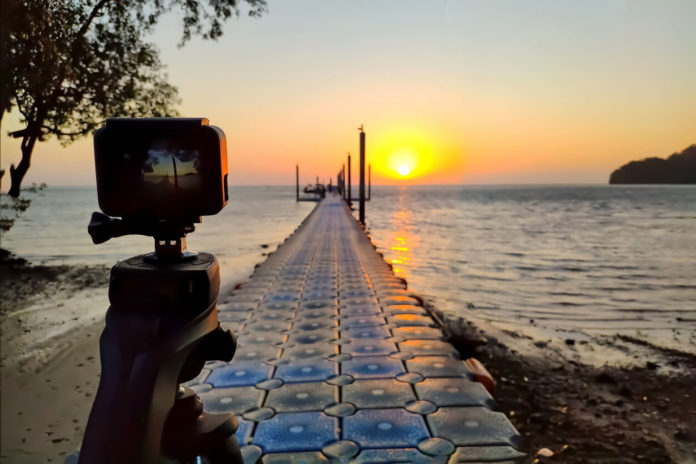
(414,152)
(400,162)
(436,110)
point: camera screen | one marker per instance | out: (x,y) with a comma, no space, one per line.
(168,168)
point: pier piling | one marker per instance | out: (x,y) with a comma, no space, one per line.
(362,177)
(343,181)
(350,197)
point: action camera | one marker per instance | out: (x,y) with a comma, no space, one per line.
(161,169)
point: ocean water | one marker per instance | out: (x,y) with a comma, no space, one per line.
(594,258)
(588,259)
(257,219)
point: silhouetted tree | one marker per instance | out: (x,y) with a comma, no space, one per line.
(68,65)
(679,168)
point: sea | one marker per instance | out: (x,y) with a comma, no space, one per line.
(589,259)
(53,230)
(548,260)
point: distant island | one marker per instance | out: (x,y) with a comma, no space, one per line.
(679,168)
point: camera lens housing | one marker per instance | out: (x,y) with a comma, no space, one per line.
(161,169)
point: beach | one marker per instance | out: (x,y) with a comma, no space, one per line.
(640,412)
(582,413)
(51,317)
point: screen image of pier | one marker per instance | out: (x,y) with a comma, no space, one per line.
(168,167)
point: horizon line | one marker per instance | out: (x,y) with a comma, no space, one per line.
(530,184)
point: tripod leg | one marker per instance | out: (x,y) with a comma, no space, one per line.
(227,453)
(190,432)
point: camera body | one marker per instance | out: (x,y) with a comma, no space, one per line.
(152,170)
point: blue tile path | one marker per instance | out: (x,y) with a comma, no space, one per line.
(337,362)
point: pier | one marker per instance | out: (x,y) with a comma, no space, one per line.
(338,362)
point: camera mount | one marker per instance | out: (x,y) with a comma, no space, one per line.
(170,237)
(162,323)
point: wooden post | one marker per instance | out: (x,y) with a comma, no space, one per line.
(176,178)
(343,181)
(361,214)
(369,182)
(350,194)
(297,182)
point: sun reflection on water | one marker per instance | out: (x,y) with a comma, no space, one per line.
(403,238)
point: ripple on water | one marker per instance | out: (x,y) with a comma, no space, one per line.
(569,257)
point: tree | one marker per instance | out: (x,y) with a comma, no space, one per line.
(679,168)
(70,64)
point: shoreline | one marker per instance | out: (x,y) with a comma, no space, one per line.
(588,414)
(580,412)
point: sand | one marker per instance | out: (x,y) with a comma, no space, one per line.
(51,321)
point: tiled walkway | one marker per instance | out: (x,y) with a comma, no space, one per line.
(337,363)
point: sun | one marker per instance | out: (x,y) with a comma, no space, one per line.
(402,162)
(404,170)
(410,154)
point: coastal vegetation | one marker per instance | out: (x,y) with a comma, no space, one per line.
(679,168)
(11,209)
(67,66)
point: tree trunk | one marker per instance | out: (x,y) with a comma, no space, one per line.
(17,173)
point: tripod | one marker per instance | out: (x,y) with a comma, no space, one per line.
(161,328)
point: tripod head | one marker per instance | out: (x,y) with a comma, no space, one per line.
(170,239)
(157,177)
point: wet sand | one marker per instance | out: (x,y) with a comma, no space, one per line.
(639,412)
(51,321)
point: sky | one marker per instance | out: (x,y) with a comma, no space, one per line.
(449,92)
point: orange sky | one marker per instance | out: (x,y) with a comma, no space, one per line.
(464,92)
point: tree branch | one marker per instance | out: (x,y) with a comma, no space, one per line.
(92,15)
(60,133)
(19,133)
(20,108)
